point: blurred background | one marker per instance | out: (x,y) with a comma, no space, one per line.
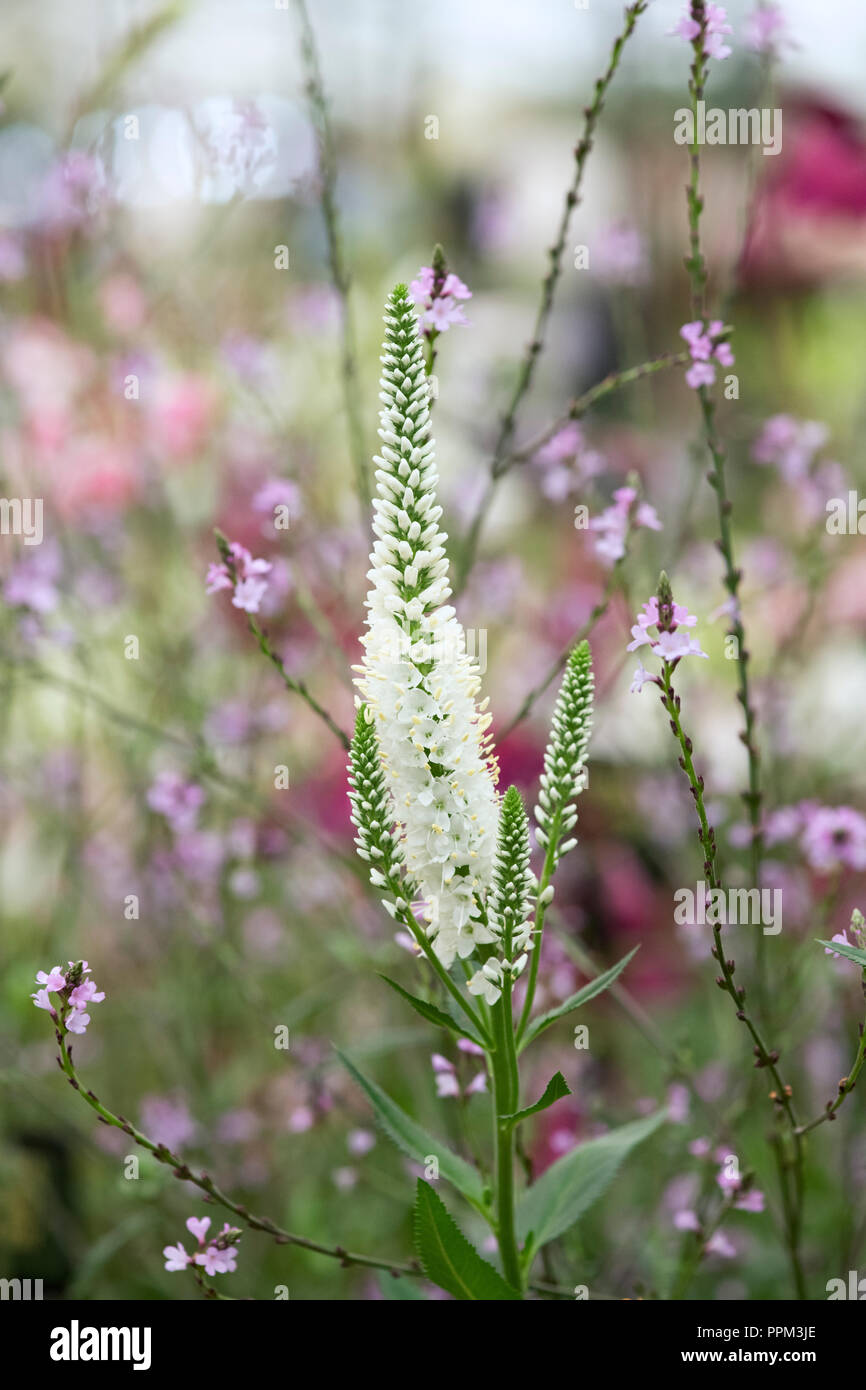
(171,350)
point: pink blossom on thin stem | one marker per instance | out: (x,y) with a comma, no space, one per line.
(706,347)
(615,521)
(715,27)
(438,302)
(671,642)
(242,574)
(766,31)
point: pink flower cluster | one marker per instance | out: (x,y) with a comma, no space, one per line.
(715,27)
(831,837)
(438,303)
(766,31)
(247,582)
(177,800)
(218,1256)
(78,991)
(670,644)
(614,522)
(566,462)
(790,445)
(447,1082)
(704,347)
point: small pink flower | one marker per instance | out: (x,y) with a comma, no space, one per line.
(699,1148)
(77,1022)
(700,374)
(217,578)
(639,679)
(699,341)
(752,1200)
(53,981)
(176,1257)
(41,1000)
(719,1244)
(686,1221)
(455,287)
(198,1226)
(249,594)
(210,1259)
(86,993)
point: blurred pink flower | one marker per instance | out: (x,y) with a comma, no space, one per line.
(181,414)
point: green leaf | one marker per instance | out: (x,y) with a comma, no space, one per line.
(849,952)
(447,1257)
(415,1141)
(555,1090)
(596,986)
(570,1186)
(432,1013)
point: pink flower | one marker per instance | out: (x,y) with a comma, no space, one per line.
(249,594)
(437,301)
(177,800)
(672,645)
(766,31)
(198,1226)
(422,287)
(719,1244)
(790,444)
(176,1257)
(678,1103)
(41,1000)
(699,1148)
(53,981)
(77,1022)
(442,313)
(640,678)
(715,26)
(835,837)
(216,1261)
(703,345)
(700,344)
(753,1200)
(248,585)
(455,287)
(686,1221)
(86,993)
(615,521)
(728,1182)
(360,1142)
(218,578)
(700,374)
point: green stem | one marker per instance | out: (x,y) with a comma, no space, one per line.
(505,1100)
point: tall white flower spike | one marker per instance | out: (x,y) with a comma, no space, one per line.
(416,679)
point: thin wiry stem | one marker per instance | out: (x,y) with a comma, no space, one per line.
(336,256)
(697,269)
(205,1182)
(549,284)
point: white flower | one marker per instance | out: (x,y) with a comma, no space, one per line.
(416,678)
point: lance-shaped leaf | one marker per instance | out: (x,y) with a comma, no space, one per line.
(574,1001)
(840,948)
(571,1185)
(555,1089)
(418,1143)
(446,1256)
(434,1014)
